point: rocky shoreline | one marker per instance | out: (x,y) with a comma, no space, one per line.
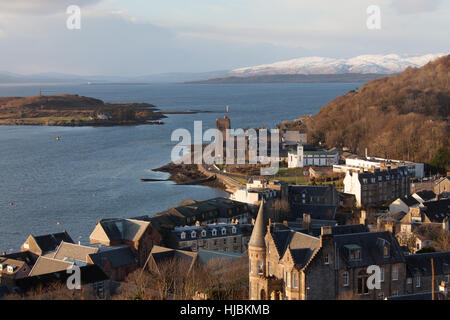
(189,174)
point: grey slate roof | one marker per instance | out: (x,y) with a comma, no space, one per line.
(259,229)
(421,263)
(316,211)
(50,242)
(426,195)
(371,244)
(117,255)
(73,251)
(46,265)
(409,201)
(436,211)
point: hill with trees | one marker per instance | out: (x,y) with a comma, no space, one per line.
(404,116)
(73,110)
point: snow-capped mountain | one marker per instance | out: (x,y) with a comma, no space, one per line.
(382,64)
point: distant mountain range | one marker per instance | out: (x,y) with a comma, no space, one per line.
(382,64)
(320,69)
(308,69)
(51,77)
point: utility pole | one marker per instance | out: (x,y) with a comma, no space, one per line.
(432,279)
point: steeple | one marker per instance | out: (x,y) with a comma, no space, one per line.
(259,229)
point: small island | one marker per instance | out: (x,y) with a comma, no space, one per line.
(74,110)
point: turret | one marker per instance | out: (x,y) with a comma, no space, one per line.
(257,254)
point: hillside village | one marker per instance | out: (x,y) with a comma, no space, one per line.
(286,240)
(310,232)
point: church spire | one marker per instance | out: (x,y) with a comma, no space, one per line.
(259,229)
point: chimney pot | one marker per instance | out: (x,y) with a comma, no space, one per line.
(325,230)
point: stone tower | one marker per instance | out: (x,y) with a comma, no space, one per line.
(257,257)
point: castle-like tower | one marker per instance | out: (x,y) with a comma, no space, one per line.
(257,258)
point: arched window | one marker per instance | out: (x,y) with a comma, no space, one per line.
(362,282)
(203,233)
(224,231)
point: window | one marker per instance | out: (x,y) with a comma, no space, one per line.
(355,254)
(214,232)
(224,231)
(418,281)
(327,259)
(395,273)
(409,281)
(382,274)
(381,295)
(260,267)
(295,281)
(288,279)
(183,235)
(345,276)
(233,230)
(395,293)
(251,266)
(269,268)
(193,234)
(362,282)
(203,233)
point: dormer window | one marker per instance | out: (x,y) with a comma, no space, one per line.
(203,233)
(214,232)
(365,181)
(354,252)
(224,231)
(193,234)
(183,235)
(233,230)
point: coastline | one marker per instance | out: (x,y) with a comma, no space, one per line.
(189,174)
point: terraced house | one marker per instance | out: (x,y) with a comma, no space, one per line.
(377,186)
(286,264)
(223,237)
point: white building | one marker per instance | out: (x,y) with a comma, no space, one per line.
(416,170)
(303,158)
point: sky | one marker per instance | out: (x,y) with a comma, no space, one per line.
(143,37)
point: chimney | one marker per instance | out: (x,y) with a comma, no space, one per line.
(445,224)
(306,222)
(363,217)
(379,223)
(326,230)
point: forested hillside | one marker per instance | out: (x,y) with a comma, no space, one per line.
(403,116)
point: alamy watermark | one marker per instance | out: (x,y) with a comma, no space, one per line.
(73,22)
(241,147)
(373,21)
